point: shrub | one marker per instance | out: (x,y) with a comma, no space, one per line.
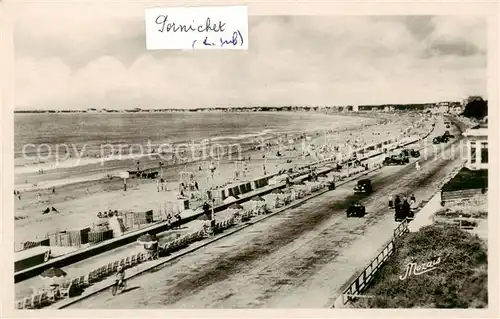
(458,281)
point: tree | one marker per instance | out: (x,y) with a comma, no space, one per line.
(476,108)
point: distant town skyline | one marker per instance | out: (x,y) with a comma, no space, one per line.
(98,60)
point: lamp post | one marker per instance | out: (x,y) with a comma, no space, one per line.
(212,216)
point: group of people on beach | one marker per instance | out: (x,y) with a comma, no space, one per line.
(161,184)
(107,214)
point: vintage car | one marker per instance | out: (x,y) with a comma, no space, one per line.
(363,186)
(396,160)
(410,152)
(440,139)
(356,210)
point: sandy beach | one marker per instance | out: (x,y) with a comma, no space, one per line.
(79,199)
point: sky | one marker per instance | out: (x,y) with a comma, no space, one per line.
(84,57)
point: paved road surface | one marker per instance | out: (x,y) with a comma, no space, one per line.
(299,258)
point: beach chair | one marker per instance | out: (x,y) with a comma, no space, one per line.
(100,272)
(104,270)
(139,257)
(81,281)
(133,260)
(27,303)
(115,265)
(20,304)
(122,262)
(127,262)
(175,244)
(97,274)
(74,282)
(44,299)
(52,295)
(86,280)
(109,268)
(35,301)
(65,289)
(167,248)
(90,277)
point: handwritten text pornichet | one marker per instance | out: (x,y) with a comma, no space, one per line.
(208,26)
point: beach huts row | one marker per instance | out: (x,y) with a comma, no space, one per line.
(240,189)
(67,238)
(132,220)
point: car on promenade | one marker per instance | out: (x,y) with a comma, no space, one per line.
(363,186)
(440,139)
(410,152)
(356,210)
(396,160)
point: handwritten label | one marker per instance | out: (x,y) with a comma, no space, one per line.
(416,270)
(197,28)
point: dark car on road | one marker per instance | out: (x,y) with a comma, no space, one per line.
(363,186)
(396,160)
(410,152)
(356,210)
(440,139)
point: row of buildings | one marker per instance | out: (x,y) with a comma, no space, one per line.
(447,107)
(452,107)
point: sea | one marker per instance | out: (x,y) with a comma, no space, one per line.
(43,140)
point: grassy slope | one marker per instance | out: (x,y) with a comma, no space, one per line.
(459,280)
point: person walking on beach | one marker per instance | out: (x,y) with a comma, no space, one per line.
(417,166)
(391,202)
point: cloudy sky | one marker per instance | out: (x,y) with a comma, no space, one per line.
(84,58)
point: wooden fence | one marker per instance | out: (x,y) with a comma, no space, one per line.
(361,282)
(461,194)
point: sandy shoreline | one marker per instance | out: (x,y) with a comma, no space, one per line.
(78,203)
